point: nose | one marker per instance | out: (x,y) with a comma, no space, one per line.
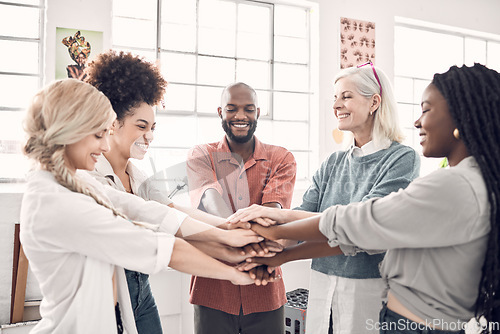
(240,114)
(105,144)
(417,123)
(336,106)
(149,136)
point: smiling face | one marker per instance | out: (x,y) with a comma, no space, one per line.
(353,109)
(84,153)
(436,127)
(239,114)
(134,133)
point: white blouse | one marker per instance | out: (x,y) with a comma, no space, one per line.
(142,186)
(73,245)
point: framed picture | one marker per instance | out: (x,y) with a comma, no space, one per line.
(75,48)
(357,42)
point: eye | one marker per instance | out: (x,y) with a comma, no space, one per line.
(153,128)
(98,136)
(424,111)
(250,110)
(141,127)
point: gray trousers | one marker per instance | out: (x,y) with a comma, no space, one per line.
(211,321)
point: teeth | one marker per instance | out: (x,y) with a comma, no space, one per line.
(240,125)
(143,146)
(343,116)
(94,155)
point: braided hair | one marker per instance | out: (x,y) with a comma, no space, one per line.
(473,97)
(63,113)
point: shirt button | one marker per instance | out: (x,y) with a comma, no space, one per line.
(240,198)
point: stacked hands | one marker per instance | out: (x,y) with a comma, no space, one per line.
(258,259)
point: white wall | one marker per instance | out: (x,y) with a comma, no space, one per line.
(480,15)
(80,14)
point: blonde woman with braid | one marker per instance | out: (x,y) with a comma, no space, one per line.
(78,234)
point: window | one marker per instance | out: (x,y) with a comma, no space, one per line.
(20,78)
(423,49)
(204,45)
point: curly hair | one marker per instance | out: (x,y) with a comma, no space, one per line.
(127,80)
(473,97)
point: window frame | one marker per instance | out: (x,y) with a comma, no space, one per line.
(427,164)
(14,146)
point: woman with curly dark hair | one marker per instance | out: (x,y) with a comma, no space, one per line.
(134,86)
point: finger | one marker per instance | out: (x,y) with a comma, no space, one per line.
(242,225)
(270,254)
(261,221)
(263,246)
(259,249)
(250,266)
(249,250)
(270,221)
(259,274)
(273,246)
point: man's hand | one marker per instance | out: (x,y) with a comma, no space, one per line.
(265,248)
(262,275)
(270,262)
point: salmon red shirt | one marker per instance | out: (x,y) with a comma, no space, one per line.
(267,176)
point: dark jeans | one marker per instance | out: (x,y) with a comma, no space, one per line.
(210,321)
(119,325)
(393,323)
(147,319)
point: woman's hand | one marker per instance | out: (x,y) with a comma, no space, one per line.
(270,232)
(241,278)
(265,248)
(259,214)
(270,262)
(239,237)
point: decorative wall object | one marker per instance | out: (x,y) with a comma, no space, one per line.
(357,42)
(75,48)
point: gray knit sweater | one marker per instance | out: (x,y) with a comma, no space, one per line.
(344,179)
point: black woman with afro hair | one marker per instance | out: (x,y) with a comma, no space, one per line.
(134,87)
(441,233)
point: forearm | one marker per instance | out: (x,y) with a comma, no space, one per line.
(214,249)
(309,250)
(202,216)
(305,229)
(214,204)
(190,260)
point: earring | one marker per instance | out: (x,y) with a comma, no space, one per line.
(371,113)
(456,134)
(111,132)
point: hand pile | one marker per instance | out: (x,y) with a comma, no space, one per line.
(260,259)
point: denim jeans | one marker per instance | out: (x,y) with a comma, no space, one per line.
(147,319)
(393,323)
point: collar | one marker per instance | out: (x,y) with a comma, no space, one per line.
(366,149)
(103,167)
(469,161)
(259,152)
